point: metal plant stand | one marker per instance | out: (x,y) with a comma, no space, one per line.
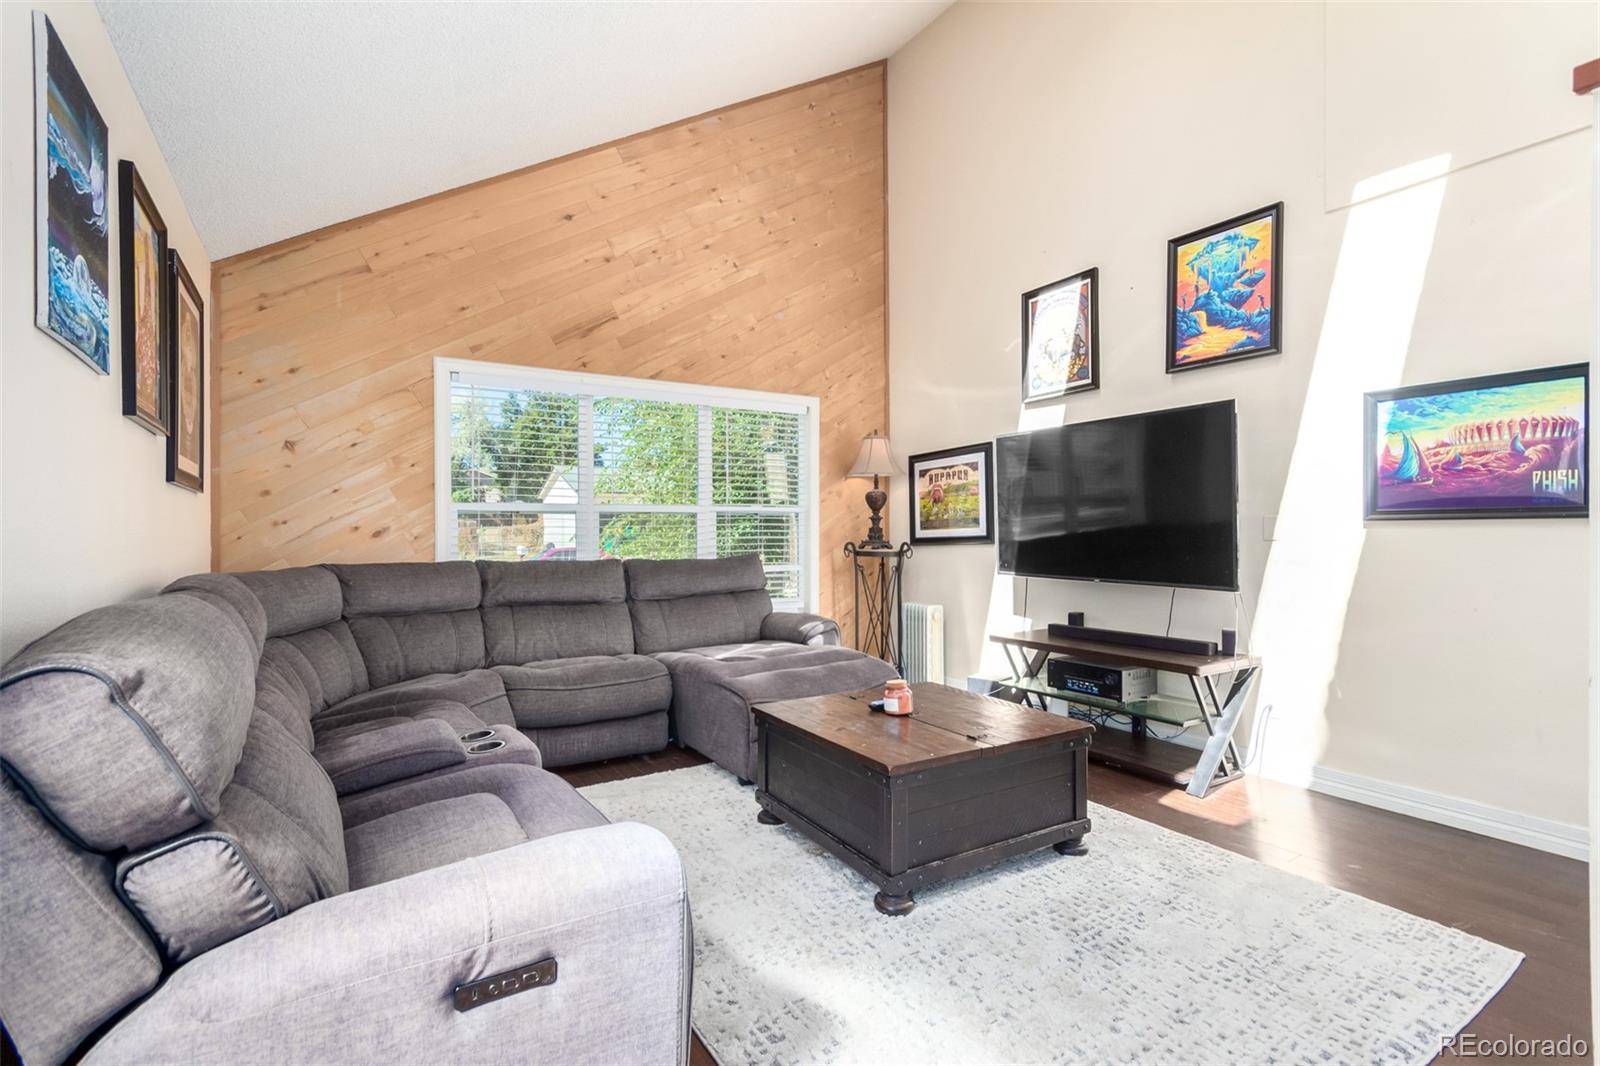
(877,586)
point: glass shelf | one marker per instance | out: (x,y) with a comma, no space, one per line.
(1168,710)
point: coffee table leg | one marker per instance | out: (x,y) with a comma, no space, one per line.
(894,905)
(1072,846)
(766,817)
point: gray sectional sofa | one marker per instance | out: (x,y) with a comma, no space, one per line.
(302,815)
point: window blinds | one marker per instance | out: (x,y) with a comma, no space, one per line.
(548,473)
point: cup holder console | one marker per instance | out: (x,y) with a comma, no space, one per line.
(483,747)
(476,735)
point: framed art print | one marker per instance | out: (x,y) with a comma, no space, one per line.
(1497,446)
(72,244)
(1224,297)
(142,241)
(1061,337)
(952,495)
(186,332)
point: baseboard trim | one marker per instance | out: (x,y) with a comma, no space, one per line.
(1545,834)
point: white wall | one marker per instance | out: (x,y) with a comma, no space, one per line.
(1029,142)
(86,515)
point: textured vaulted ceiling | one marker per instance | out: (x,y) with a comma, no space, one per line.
(277,118)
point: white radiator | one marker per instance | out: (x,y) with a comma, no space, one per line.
(922,632)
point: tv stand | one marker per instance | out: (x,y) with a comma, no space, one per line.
(1217,764)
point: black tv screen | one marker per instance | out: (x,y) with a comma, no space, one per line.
(1147,499)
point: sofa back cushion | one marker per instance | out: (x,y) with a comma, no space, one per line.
(276,845)
(692,603)
(326,660)
(71,956)
(413,619)
(308,657)
(125,724)
(228,592)
(295,599)
(536,611)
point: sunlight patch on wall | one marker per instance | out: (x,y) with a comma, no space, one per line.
(1311,568)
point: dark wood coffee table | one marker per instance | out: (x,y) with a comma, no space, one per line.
(961,784)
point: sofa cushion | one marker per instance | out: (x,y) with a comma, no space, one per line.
(374,754)
(552,581)
(554,610)
(568,745)
(421,748)
(542,803)
(713,688)
(73,955)
(227,589)
(282,693)
(403,647)
(412,619)
(671,579)
(325,659)
(458,717)
(407,588)
(769,651)
(428,835)
(589,689)
(276,845)
(685,603)
(125,723)
(480,691)
(295,599)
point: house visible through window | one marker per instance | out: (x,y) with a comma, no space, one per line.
(549,465)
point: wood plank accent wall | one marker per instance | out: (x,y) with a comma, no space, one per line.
(742,248)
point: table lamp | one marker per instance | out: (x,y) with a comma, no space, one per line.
(875,461)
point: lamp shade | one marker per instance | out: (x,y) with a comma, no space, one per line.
(875,459)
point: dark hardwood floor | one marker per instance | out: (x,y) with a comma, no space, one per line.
(1525,899)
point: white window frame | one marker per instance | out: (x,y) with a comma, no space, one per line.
(509,375)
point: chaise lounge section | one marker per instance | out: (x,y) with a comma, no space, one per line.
(711,623)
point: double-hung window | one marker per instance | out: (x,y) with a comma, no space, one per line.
(536,464)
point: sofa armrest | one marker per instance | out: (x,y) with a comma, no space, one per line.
(410,747)
(798,628)
(369,976)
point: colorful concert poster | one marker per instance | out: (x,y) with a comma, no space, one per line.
(72,242)
(1223,283)
(1060,341)
(951,498)
(1505,444)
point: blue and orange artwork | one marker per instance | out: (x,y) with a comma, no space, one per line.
(73,240)
(1517,447)
(1223,293)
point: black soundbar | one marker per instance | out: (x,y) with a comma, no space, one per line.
(1133,640)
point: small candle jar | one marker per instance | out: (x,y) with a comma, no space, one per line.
(897,697)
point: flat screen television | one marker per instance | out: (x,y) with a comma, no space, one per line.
(1148,499)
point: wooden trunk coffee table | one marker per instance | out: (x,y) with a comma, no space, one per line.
(963,783)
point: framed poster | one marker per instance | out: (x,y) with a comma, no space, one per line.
(142,240)
(952,495)
(1061,337)
(72,245)
(1224,298)
(1497,446)
(186,332)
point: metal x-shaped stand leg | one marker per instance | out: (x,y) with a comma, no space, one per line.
(1220,760)
(1027,671)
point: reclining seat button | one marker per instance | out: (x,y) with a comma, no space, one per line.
(508,983)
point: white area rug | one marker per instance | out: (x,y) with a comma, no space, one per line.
(1153,948)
